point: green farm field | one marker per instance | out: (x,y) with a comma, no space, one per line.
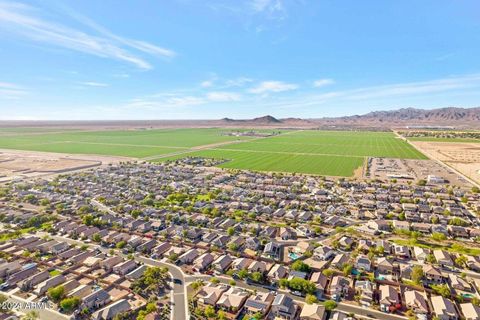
(334,153)
(128,143)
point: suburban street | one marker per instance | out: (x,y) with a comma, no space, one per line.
(180,303)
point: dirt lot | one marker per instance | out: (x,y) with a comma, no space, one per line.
(463,157)
(22,164)
(404,170)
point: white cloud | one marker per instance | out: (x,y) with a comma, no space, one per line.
(323,82)
(389,95)
(206,84)
(121,75)
(273,86)
(414,88)
(94,84)
(11,91)
(237,82)
(222,96)
(23,20)
(273,8)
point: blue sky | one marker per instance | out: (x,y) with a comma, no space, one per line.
(192,59)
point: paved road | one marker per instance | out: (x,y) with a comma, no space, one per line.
(44,314)
(180,303)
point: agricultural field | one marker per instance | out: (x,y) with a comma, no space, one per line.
(334,153)
(128,143)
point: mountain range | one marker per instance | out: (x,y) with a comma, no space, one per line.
(456,117)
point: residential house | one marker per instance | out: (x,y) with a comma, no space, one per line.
(416,301)
(259,303)
(385,265)
(257,266)
(43,287)
(110,311)
(222,263)
(432,274)
(277,272)
(210,294)
(443,308)
(232,299)
(363,263)
(320,281)
(272,250)
(389,298)
(95,300)
(125,267)
(283,307)
(470,311)
(365,289)
(189,256)
(339,287)
(323,253)
(313,312)
(203,262)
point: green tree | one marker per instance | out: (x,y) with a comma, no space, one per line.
(461,261)
(242,274)
(209,312)
(121,244)
(197,284)
(442,289)
(417,274)
(96,237)
(299,265)
(231,231)
(347,269)
(330,305)
(311,299)
(214,280)
(438,236)
(257,276)
(56,293)
(69,304)
(328,272)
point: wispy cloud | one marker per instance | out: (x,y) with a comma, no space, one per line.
(206,84)
(273,8)
(177,100)
(26,21)
(222,96)
(11,91)
(238,82)
(323,82)
(386,92)
(94,84)
(273,86)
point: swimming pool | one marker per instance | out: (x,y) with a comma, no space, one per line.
(293,256)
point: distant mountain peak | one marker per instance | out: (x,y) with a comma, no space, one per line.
(266,119)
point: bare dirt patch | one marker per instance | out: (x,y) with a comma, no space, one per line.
(24,164)
(461,156)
